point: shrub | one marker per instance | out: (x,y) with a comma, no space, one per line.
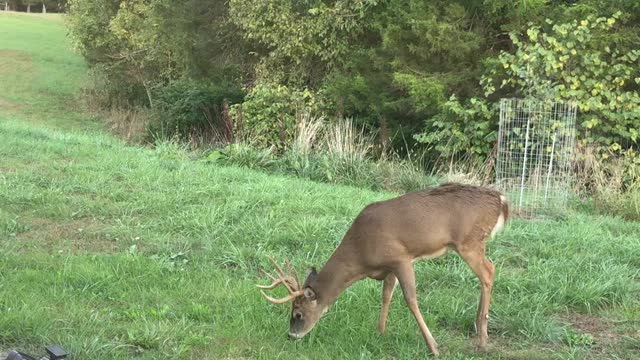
(186,108)
(571,62)
(108,89)
(462,128)
(268,114)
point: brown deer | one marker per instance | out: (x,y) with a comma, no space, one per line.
(387,237)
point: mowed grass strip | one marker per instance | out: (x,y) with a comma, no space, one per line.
(40,77)
(116,251)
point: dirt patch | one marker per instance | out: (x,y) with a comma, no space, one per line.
(3,171)
(81,235)
(6,104)
(600,328)
(588,323)
(606,335)
(14,60)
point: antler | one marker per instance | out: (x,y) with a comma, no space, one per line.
(289,281)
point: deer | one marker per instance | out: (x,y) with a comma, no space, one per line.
(384,241)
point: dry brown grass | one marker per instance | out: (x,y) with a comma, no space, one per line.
(468,171)
(308,131)
(612,182)
(128,124)
(12,58)
(343,140)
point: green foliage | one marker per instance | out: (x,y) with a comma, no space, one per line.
(299,36)
(188,107)
(268,114)
(468,129)
(408,68)
(427,64)
(89,26)
(146,44)
(575,62)
(577,339)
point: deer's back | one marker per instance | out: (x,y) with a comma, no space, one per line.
(425,223)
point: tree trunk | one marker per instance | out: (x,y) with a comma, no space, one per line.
(29,7)
(44,8)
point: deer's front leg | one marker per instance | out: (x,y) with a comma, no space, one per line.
(406,277)
(387,293)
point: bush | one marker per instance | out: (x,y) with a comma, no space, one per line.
(186,108)
(462,129)
(108,88)
(268,114)
(573,62)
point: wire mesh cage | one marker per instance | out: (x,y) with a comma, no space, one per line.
(536,141)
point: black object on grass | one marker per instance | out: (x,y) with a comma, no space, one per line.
(54,352)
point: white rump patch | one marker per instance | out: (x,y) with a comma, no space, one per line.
(500,223)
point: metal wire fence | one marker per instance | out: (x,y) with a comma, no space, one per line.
(536,141)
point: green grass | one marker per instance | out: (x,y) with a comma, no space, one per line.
(40,76)
(116,251)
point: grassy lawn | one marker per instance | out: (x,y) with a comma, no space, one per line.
(117,251)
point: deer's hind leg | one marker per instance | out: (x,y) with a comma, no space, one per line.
(474,256)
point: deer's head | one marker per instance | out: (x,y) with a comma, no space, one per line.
(305,309)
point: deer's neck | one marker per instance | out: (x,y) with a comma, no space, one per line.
(338,273)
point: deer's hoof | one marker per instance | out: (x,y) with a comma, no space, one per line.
(482,346)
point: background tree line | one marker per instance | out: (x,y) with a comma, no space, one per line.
(56,6)
(424,74)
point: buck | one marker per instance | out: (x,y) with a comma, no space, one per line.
(383,242)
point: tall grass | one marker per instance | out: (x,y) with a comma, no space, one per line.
(344,141)
(336,153)
(612,184)
(308,129)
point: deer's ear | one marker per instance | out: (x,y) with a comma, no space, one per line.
(309,293)
(313,274)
